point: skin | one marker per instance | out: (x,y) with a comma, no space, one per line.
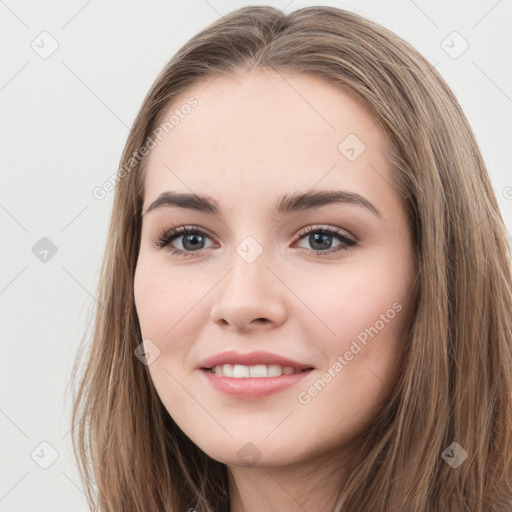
(249,141)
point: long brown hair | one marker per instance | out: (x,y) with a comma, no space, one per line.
(455,382)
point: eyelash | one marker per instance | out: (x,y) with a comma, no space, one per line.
(170,235)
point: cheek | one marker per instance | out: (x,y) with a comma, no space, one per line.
(167,316)
(360,350)
(152,298)
(347,304)
(363,320)
(168,304)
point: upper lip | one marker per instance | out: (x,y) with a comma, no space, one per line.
(251,359)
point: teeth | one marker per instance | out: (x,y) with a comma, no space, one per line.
(257,371)
(240,371)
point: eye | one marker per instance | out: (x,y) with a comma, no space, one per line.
(320,238)
(193,240)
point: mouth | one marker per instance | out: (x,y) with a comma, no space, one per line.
(259,371)
(253,382)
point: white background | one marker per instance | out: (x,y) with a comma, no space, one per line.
(64,122)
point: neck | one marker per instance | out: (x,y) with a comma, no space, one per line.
(313,486)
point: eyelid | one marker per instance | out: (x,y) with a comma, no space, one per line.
(327,228)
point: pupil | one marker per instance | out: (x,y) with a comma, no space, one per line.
(194,241)
(317,237)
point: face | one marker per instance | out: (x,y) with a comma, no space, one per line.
(323,282)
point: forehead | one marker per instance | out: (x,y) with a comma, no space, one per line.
(266,133)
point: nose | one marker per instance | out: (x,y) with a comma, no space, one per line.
(250,296)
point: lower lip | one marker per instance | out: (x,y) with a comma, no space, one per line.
(247,387)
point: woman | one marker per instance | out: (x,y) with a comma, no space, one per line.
(236,364)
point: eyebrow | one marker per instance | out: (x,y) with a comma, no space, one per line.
(286,204)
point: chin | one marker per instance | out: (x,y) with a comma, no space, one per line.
(247,451)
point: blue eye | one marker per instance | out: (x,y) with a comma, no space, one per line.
(193,240)
(321,238)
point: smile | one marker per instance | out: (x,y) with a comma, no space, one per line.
(240,371)
(245,386)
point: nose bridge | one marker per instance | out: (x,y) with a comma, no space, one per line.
(253,254)
(249,291)
(249,266)
(251,240)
